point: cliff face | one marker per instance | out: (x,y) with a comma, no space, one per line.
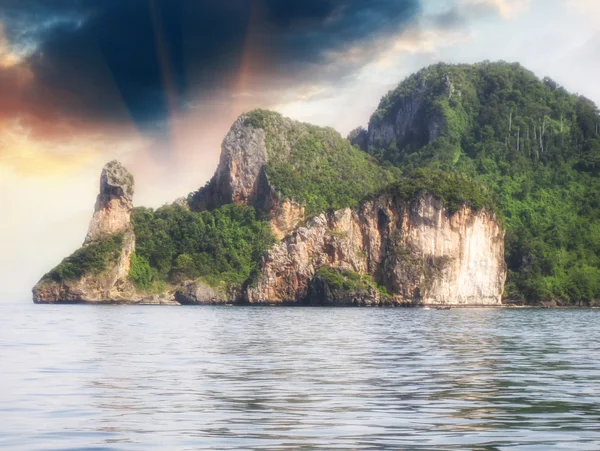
(109,285)
(411,118)
(241,178)
(238,176)
(418,251)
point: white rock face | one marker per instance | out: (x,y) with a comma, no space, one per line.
(470,247)
(419,251)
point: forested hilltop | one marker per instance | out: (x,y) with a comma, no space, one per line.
(533,144)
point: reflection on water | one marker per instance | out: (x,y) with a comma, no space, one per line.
(139,378)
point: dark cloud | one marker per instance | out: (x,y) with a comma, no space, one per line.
(460,16)
(106,59)
(452,19)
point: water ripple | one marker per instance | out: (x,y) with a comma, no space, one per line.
(234,378)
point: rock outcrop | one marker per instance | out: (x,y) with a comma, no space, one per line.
(241,177)
(419,251)
(239,174)
(110,241)
(334,286)
(112,213)
(412,118)
(359,137)
(198,293)
(109,285)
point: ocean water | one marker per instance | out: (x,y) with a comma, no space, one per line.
(76,377)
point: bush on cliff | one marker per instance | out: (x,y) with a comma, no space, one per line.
(93,258)
(452,188)
(140,272)
(344,283)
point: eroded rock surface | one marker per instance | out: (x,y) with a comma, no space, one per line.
(198,293)
(419,251)
(241,178)
(237,179)
(112,213)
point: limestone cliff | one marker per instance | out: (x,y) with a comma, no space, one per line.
(98,271)
(114,203)
(238,176)
(419,251)
(408,116)
(241,177)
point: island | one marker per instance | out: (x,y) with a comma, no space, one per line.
(473,185)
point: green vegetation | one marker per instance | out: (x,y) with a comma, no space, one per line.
(537,150)
(452,188)
(343,282)
(140,272)
(90,259)
(219,246)
(316,166)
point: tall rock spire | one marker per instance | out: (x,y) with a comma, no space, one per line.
(114,203)
(98,271)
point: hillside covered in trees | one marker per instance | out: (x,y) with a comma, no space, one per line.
(534,145)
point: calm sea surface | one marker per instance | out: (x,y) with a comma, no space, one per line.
(237,378)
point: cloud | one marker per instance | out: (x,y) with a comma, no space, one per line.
(506,8)
(589,9)
(462,13)
(8,58)
(110,60)
(29,155)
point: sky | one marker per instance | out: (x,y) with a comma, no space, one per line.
(156,84)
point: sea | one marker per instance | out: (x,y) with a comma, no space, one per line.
(83,377)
